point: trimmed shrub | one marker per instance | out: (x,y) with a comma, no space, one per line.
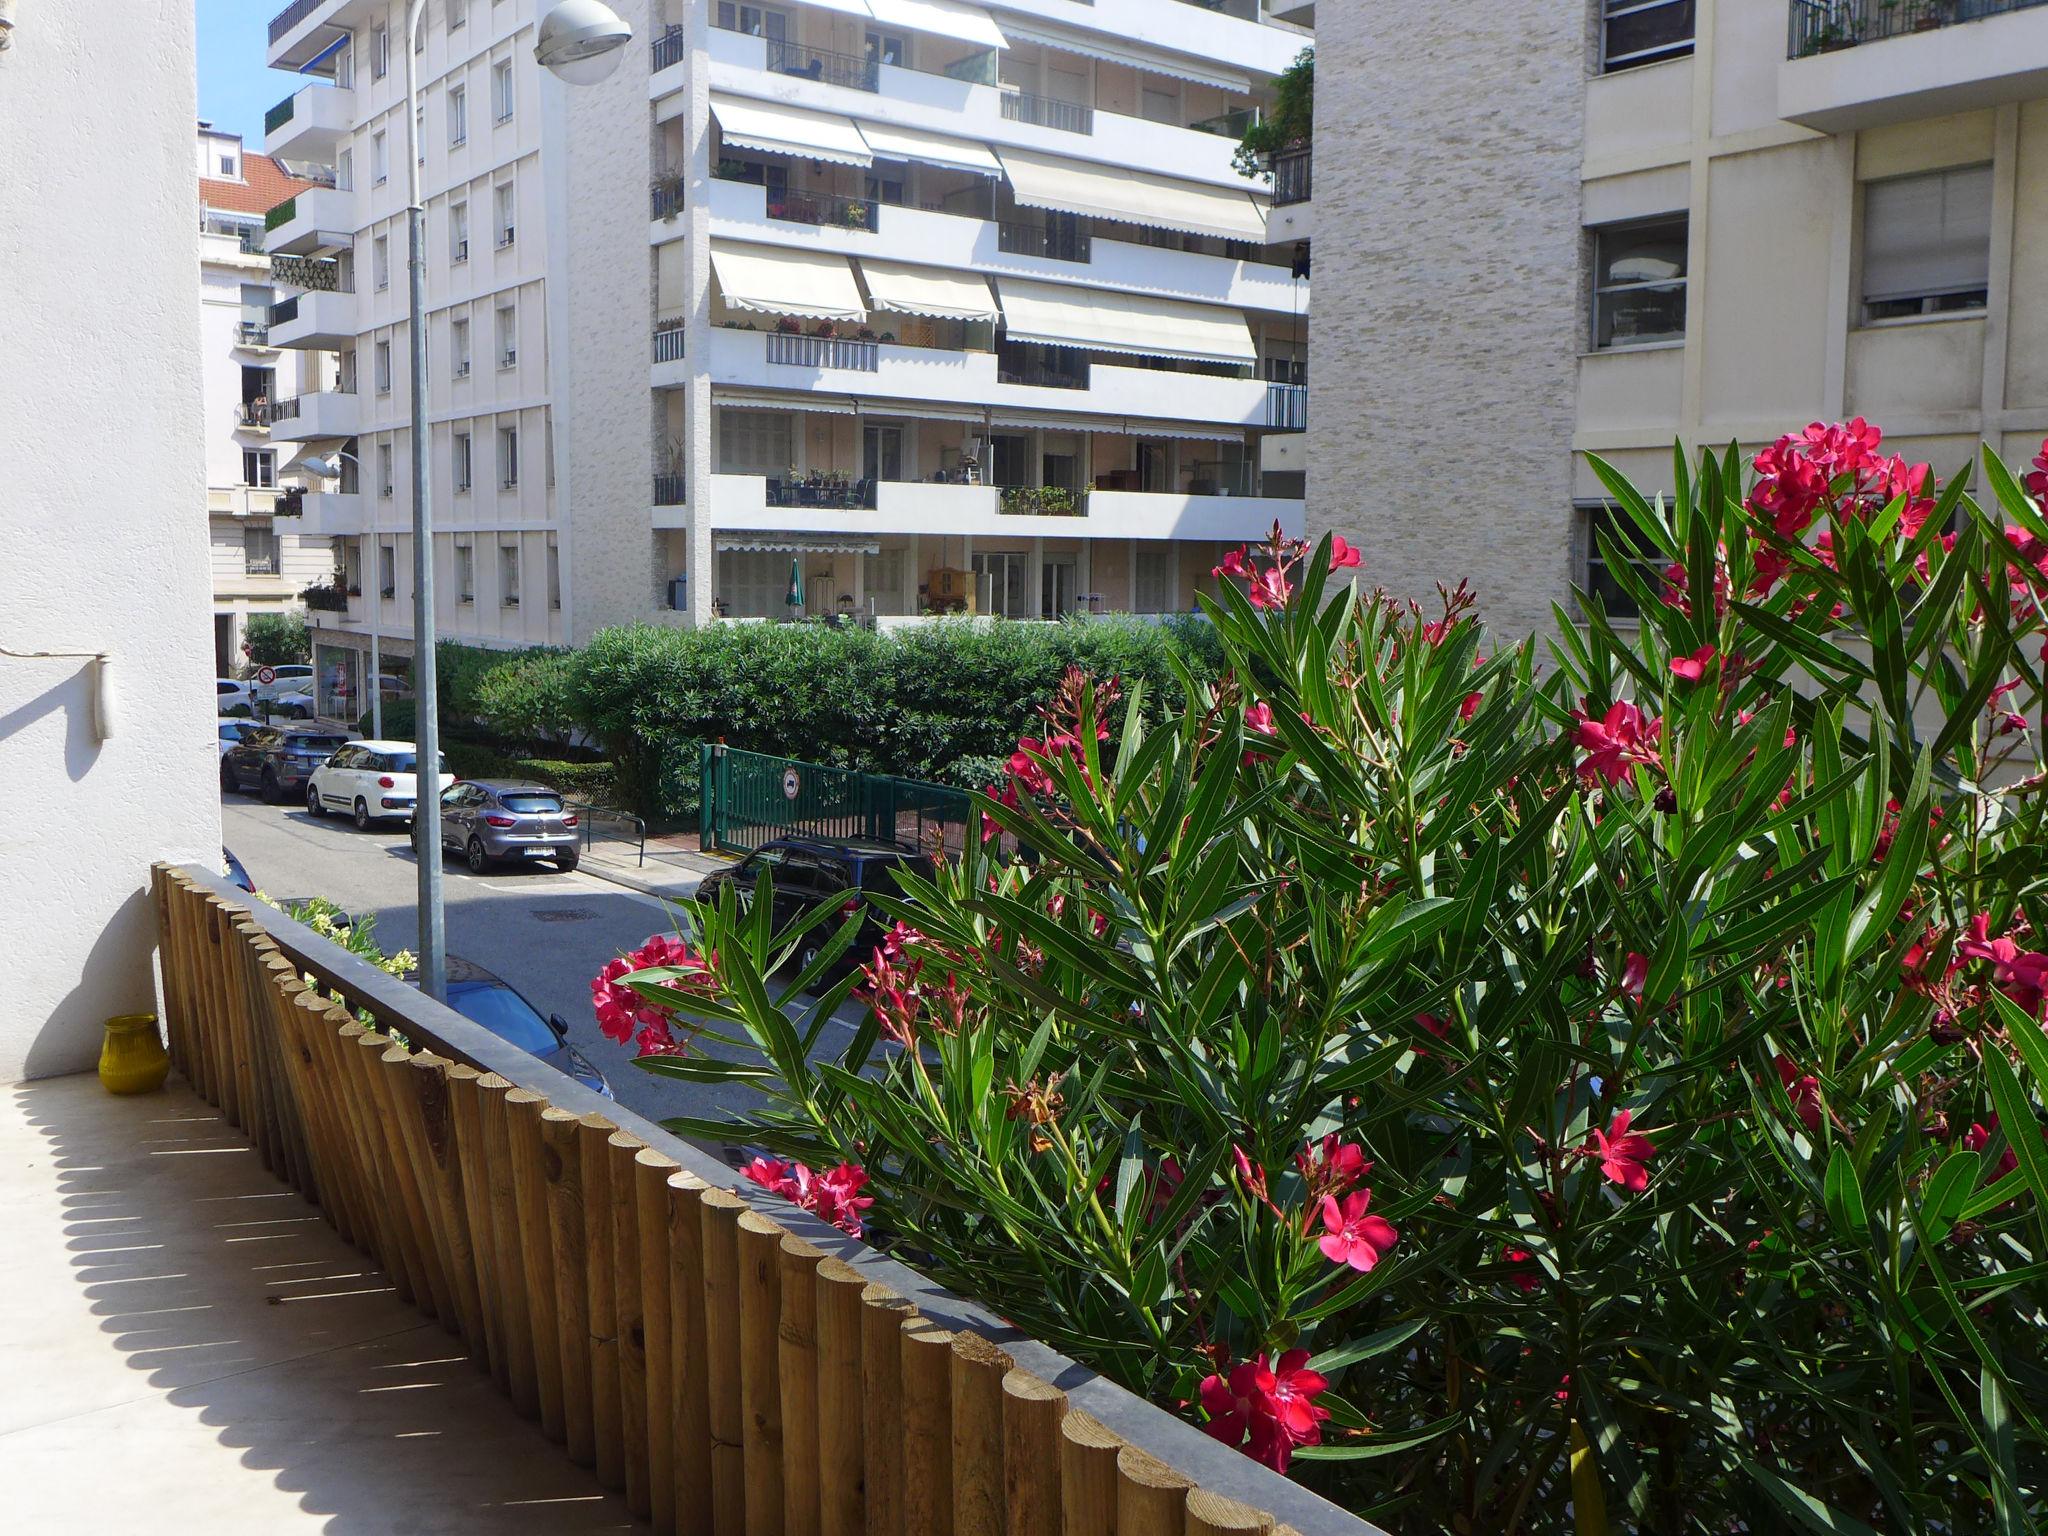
(528,697)
(276,640)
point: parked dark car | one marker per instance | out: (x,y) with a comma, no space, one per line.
(808,873)
(489,820)
(276,760)
(495,1003)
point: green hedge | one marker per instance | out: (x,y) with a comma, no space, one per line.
(915,703)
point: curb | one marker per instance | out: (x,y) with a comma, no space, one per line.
(671,891)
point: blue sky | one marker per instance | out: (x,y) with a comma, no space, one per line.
(235,89)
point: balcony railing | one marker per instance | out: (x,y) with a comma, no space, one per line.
(665,197)
(1287,407)
(1293,178)
(1062,240)
(672,47)
(670,490)
(1044,501)
(325,597)
(668,341)
(313,275)
(278,115)
(823,65)
(282,214)
(252,333)
(827,210)
(291,16)
(1048,112)
(833,492)
(1822,26)
(291,502)
(1043,367)
(285,311)
(823,352)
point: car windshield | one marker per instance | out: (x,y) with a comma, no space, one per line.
(505,1014)
(408,762)
(532,804)
(320,744)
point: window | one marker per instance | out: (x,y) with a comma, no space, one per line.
(754,20)
(1600,581)
(886,184)
(383,367)
(504,201)
(458,348)
(501,90)
(1155,579)
(387,569)
(465,572)
(380,52)
(345,170)
(463,470)
(508,457)
(458,14)
(383,469)
(259,551)
(508,336)
(886,47)
(1645,32)
(227,166)
(351,566)
(458,232)
(1639,283)
(508,575)
(380,260)
(458,114)
(1927,243)
(380,161)
(755,442)
(999,586)
(554,574)
(1157,105)
(259,467)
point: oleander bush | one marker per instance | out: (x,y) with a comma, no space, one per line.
(1590,1085)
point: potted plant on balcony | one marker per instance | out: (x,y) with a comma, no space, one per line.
(854,214)
(825,330)
(789,325)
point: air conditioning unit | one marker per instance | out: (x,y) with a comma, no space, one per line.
(505,237)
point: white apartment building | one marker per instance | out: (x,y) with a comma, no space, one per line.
(260,560)
(942,305)
(1596,226)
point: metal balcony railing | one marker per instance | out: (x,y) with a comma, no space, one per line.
(670,490)
(670,48)
(1043,367)
(278,115)
(291,16)
(833,492)
(252,333)
(665,197)
(821,64)
(827,210)
(1287,407)
(1822,26)
(823,352)
(1061,240)
(284,410)
(668,341)
(1293,176)
(1046,112)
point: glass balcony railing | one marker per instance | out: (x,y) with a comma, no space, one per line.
(1823,26)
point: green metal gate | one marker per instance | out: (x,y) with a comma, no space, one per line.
(750,798)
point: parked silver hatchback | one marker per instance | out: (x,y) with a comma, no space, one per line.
(494,820)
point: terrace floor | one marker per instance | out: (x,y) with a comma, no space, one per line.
(190,1348)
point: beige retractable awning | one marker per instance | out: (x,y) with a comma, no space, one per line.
(941,18)
(753,400)
(892,143)
(1134,197)
(774,280)
(1099,321)
(902,289)
(774,129)
(1104,46)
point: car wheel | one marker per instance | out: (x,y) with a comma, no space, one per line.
(313,804)
(362,815)
(807,957)
(271,793)
(567,860)
(227,778)
(478,860)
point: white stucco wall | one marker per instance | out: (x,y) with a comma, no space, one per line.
(119,562)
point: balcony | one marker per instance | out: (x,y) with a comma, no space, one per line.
(1047,112)
(823,65)
(668,340)
(827,209)
(317,320)
(327,415)
(317,222)
(309,123)
(328,514)
(665,196)
(253,415)
(792,351)
(1062,239)
(303,34)
(1287,407)
(254,333)
(1855,64)
(670,489)
(1293,176)
(319,1281)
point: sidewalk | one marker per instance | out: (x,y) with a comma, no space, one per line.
(672,868)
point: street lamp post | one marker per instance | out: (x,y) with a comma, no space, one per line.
(330,469)
(579,41)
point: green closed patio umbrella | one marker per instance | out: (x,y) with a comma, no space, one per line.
(794,598)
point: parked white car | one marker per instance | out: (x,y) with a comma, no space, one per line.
(370,781)
(292,677)
(232,731)
(232,693)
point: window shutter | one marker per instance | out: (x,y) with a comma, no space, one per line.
(1925,235)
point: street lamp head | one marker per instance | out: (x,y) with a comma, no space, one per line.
(580,41)
(319,469)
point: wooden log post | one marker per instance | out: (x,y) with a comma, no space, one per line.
(1210,1514)
(329,1170)
(1032,1411)
(883,1315)
(561,1139)
(470,1163)
(334,1050)
(760,1297)
(265,1127)
(841,1408)
(1151,1498)
(428,1115)
(1088,1480)
(651,1173)
(359,1049)
(177,1010)
(977,1372)
(927,1490)
(391,1074)
(629,1322)
(512,1360)
(530,1162)
(229,1064)
(175,937)
(797,1379)
(601,1301)
(725,1404)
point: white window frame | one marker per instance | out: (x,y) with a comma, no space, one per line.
(1611,10)
(1601,290)
(508,575)
(463,462)
(554,574)
(387,569)
(503,91)
(505,212)
(380,260)
(458,116)
(380,158)
(262,536)
(386,470)
(465,571)
(508,458)
(380,52)
(506,336)
(1930,301)
(263,463)
(458,15)
(381,366)
(458,346)
(458,232)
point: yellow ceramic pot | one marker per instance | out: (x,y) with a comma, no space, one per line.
(132,1058)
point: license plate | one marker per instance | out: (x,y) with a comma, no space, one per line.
(540,853)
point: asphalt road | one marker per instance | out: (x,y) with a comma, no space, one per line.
(546,933)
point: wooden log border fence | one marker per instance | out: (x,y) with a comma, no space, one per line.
(728,1372)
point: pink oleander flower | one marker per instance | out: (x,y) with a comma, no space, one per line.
(2020,974)
(1523,1274)
(1270,588)
(1635,970)
(1694,667)
(1345,557)
(1351,1235)
(833,1197)
(1249,1173)
(1469,706)
(1272,1404)
(1803,1091)
(1616,742)
(1234,565)
(1624,1154)
(1259,719)
(624,1015)
(1332,1167)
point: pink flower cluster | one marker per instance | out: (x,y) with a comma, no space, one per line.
(1271,1404)
(1836,466)
(1268,585)
(835,1197)
(621,1011)
(901,984)
(1616,742)
(1624,1154)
